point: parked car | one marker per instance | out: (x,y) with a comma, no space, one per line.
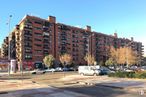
(38,71)
(65,69)
(68,69)
(50,70)
(88,70)
(58,69)
(105,71)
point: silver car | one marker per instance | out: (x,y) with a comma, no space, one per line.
(38,71)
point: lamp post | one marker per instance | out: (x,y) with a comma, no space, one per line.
(9,48)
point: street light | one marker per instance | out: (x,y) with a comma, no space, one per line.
(9,48)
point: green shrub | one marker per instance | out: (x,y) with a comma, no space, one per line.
(128,74)
(140,75)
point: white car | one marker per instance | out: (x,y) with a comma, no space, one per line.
(38,71)
(58,69)
(50,70)
(88,70)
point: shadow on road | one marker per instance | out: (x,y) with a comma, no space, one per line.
(98,90)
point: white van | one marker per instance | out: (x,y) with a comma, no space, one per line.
(89,70)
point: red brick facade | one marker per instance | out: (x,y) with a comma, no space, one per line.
(37,37)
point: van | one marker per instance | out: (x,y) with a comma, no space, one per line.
(89,70)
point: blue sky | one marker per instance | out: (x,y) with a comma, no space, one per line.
(127,17)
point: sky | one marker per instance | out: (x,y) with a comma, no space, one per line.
(126,17)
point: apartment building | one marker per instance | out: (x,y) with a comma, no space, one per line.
(4,49)
(74,41)
(101,44)
(12,48)
(0,53)
(34,38)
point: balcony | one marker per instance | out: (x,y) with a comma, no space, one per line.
(28,22)
(46,41)
(30,52)
(27,39)
(46,47)
(45,28)
(28,27)
(30,46)
(28,34)
(47,24)
(46,37)
(46,33)
(63,27)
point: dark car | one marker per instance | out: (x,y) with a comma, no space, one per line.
(105,71)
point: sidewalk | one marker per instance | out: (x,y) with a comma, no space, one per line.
(17,73)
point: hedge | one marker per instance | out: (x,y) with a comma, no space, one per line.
(133,74)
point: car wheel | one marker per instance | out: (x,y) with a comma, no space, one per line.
(34,73)
(82,74)
(95,74)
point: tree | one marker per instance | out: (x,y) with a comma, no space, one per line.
(127,56)
(123,55)
(114,55)
(48,60)
(65,59)
(90,59)
(109,62)
(131,57)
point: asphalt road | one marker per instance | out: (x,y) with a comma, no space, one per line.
(101,91)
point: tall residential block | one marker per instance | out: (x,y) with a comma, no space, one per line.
(0,53)
(4,48)
(34,38)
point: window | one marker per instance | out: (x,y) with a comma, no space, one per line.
(38,45)
(37,28)
(38,51)
(28,56)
